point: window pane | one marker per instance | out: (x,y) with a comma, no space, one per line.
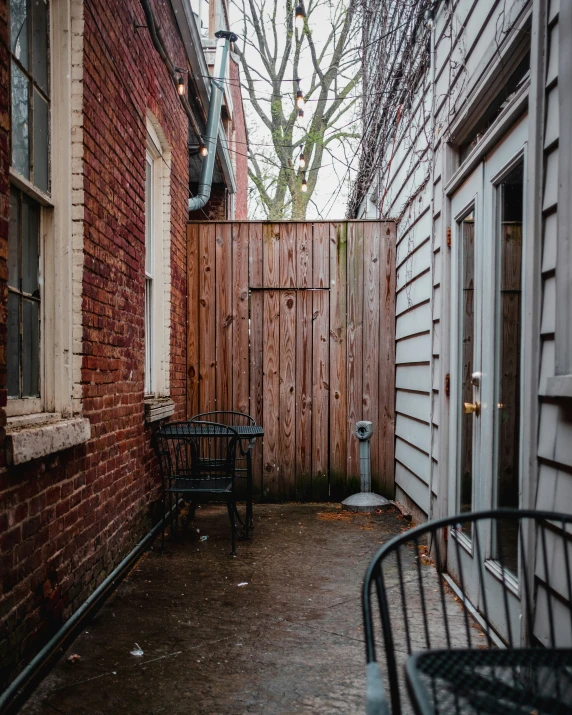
(509,308)
(13,361)
(467,234)
(41,139)
(148,335)
(20,122)
(30,349)
(30,246)
(40,43)
(148,216)
(19,30)
(13,242)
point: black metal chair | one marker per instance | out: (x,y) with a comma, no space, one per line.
(419,613)
(244,456)
(198,463)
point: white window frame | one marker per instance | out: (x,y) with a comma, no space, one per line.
(158,267)
(58,240)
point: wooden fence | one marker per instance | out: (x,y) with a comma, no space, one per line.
(294,323)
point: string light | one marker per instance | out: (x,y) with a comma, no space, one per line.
(181,85)
(300,113)
(302,159)
(203,151)
(299,99)
(304,183)
(300,16)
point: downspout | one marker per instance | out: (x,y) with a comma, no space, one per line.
(224,38)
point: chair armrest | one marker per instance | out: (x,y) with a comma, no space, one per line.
(375,698)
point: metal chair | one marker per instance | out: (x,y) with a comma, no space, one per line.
(198,463)
(418,610)
(244,457)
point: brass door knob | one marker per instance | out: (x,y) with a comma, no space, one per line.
(470,408)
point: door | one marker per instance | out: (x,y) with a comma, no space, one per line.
(485,468)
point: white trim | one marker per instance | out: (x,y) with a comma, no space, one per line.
(158,150)
(27,443)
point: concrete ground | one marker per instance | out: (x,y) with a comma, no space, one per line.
(275,630)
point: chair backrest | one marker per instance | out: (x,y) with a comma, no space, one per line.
(201,455)
(225,417)
(528,552)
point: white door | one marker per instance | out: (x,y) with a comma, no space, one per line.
(486,376)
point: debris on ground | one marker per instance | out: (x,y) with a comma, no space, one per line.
(74,658)
(243,583)
(137,651)
(203,538)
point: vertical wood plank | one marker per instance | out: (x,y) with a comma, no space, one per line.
(256,315)
(193,330)
(224,316)
(304,357)
(240,339)
(355,292)
(287,424)
(271,359)
(320,361)
(338,392)
(387,360)
(207,314)
(371,246)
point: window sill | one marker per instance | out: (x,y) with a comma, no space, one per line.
(559,386)
(36,436)
(158,408)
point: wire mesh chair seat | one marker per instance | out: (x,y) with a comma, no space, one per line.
(198,463)
(243,468)
(508,567)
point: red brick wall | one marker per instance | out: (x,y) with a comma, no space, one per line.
(66,521)
(241,153)
(215,209)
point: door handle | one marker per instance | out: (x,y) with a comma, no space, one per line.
(472,408)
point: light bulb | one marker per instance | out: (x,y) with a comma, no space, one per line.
(300,17)
(300,113)
(304,185)
(299,99)
(203,150)
(181,85)
(302,161)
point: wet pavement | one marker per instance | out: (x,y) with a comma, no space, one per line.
(275,630)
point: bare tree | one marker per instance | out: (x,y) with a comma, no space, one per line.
(273,55)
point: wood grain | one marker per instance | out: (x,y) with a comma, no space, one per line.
(240,338)
(193,328)
(207,307)
(256,317)
(304,355)
(320,361)
(287,441)
(271,360)
(224,316)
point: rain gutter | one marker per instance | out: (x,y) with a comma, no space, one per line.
(18,691)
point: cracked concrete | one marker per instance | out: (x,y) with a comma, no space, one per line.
(290,641)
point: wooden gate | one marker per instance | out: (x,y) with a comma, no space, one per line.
(294,323)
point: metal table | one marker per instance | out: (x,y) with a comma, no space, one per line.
(246,432)
(531,681)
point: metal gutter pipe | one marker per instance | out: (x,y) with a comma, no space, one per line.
(13,697)
(224,38)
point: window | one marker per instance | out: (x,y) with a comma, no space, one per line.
(30,153)
(149,248)
(157,273)
(29,47)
